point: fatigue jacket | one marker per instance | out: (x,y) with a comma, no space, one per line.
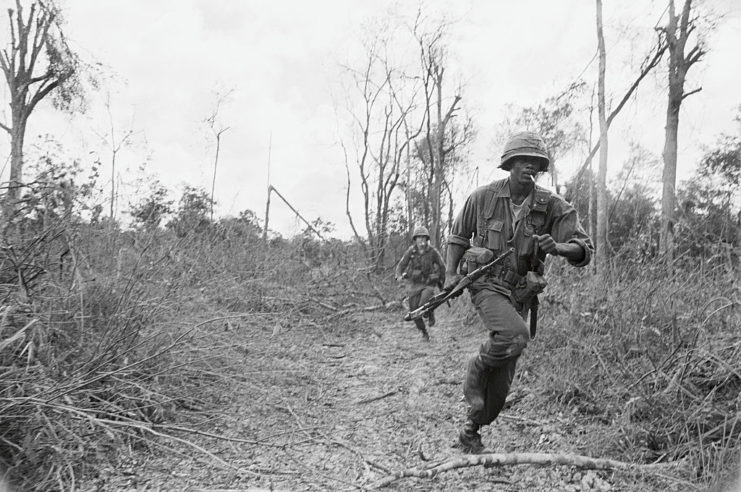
(486,221)
(422,269)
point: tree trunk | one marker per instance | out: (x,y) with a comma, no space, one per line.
(601,239)
(677,33)
(437,162)
(17,136)
(213,181)
(410,216)
(113,185)
(669,174)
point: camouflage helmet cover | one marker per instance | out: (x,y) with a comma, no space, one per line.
(527,144)
(421,231)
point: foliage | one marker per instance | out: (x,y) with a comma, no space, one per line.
(193,212)
(710,210)
(153,209)
(79,347)
(57,191)
(38,63)
(650,357)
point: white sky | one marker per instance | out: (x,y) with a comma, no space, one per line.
(166,59)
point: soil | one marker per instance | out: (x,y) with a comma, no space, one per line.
(304,407)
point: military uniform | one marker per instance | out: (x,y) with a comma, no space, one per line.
(490,219)
(423,270)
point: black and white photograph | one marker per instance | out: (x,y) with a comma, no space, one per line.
(345,245)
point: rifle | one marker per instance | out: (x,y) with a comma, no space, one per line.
(455,290)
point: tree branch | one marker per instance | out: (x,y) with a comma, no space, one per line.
(452,108)
(43,24)
(5,65)
(497,459)
(41,94)
(347,199)
(648,65)
(687,94)
(694,56)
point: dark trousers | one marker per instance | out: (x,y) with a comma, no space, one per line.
(490,372)
(418,296)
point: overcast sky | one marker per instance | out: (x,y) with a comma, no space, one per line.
(164,62)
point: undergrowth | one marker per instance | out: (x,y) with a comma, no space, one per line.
(653,354)
(105,335)
(102,336)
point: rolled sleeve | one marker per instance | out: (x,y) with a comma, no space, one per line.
(464,225)
(567,229)
(460,241)
(586,247)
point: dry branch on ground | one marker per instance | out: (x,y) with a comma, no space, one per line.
(497,459)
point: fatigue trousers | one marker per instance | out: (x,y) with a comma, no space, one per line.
(418,295)
(490,372)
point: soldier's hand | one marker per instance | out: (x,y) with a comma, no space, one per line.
(547,243)
(451,280)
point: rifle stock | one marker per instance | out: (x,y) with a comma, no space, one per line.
(457,289)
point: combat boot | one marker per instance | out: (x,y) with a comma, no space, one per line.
(470,439)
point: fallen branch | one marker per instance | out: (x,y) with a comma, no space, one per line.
(324,304)
(376,398)
(377,307)
(496,459)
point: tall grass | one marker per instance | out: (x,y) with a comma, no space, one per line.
(102,336)
(653,353)
(78,351)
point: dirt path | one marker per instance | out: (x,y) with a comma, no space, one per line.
(312,409)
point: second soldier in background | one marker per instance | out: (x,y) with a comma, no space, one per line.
(422,268)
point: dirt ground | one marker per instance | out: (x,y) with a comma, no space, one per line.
(304,407)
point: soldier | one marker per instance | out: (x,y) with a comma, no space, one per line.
(509,213)
(423,268)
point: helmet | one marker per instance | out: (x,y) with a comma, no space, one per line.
(421,231)
(528,144)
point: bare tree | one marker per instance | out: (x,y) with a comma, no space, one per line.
(676,33)
(218,129)
(601,239)
(442,138)
(380,145)
(116,142)
(432,57)
(37,62)
(406,136)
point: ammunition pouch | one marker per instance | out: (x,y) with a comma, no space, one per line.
(502,273)
(505,276)
(528,288)
(475,257)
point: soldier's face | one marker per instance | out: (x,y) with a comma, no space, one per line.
(524,170)
(421,241)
